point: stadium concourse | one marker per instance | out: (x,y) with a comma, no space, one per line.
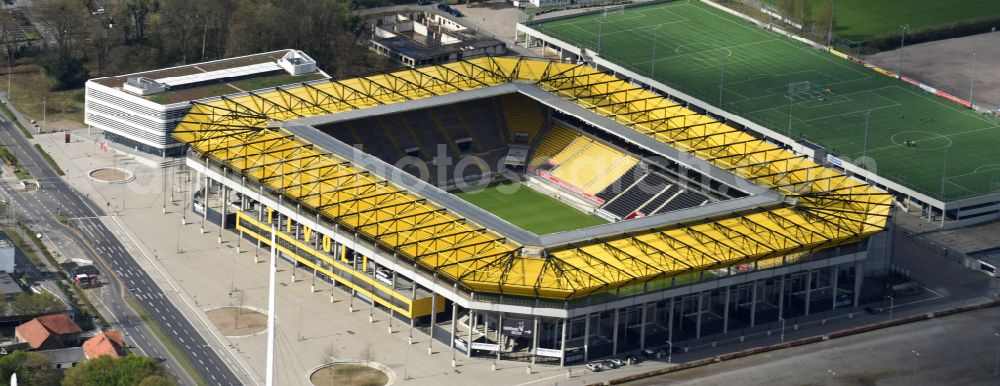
(794,239)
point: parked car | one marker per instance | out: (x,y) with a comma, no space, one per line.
(595,366)
(907,289)
(648,354)
(423,2)
(632,358)
(616,363)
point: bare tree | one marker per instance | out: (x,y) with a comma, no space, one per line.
(367,353)
(328,353)
(64,19)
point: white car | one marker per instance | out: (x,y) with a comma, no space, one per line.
(595,366)
(615,363)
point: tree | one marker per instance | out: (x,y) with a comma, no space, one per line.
(43,303)
(328,353)
(786,7)
(367,353)
(63,19)
(32,369)
(825,17)
(803,11)
(157,380)
(124,371)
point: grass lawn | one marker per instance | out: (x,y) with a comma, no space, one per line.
(28,86)
(860,20)
(528,209)
(695,43)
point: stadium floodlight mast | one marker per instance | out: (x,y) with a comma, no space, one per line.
(722,78)
(902,44)
(864,148)
(972,83)
(652,63)
(829,32)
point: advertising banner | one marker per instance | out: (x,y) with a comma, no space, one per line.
(839,54)
(548,352)
(955,99)
(909,80)
(485,346)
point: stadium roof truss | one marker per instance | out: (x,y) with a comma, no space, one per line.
(823,208)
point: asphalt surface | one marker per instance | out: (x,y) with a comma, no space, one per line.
(125,276)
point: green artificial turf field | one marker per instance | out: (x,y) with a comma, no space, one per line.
(859,20)
(528,209)
(698,48)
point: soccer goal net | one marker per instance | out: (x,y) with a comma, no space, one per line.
(613,10)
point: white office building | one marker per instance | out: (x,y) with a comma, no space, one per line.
(138,111)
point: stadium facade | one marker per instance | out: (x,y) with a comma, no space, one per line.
(949,213)
(138,111)
(762,234)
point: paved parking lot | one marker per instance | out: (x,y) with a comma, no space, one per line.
(954,350)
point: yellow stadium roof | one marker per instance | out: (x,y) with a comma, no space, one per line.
(825,208)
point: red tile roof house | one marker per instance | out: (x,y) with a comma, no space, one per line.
(48,332)
(106,343)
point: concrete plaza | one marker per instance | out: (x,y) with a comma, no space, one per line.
(199,273)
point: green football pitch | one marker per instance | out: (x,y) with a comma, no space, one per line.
(859,20)
(528,209)
(795,89)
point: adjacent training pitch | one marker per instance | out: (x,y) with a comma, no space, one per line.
(859,20)
(528,209)
(729,62)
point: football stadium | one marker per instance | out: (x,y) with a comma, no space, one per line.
(536,210)
(892,131)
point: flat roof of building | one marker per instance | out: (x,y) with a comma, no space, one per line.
(191,71)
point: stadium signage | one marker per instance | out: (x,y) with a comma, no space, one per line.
(485,346)
(460,344)
(548,352)
(517,327)
(834,160)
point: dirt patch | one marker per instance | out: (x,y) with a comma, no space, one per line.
(348,375)
(236,321)
(947,65)
(110,175)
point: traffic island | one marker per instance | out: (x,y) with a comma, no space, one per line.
(235,322)
(111,175)
(350,374)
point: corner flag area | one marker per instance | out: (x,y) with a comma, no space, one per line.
(916,139)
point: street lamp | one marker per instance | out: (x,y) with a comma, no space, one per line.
(670,351)
(913,374)
(996,362)
(43,116)
(782,320)
(299,333)
(406,363)
(892,303)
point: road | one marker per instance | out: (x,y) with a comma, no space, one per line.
(126,277)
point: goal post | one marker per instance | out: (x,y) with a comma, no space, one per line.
(613,10)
